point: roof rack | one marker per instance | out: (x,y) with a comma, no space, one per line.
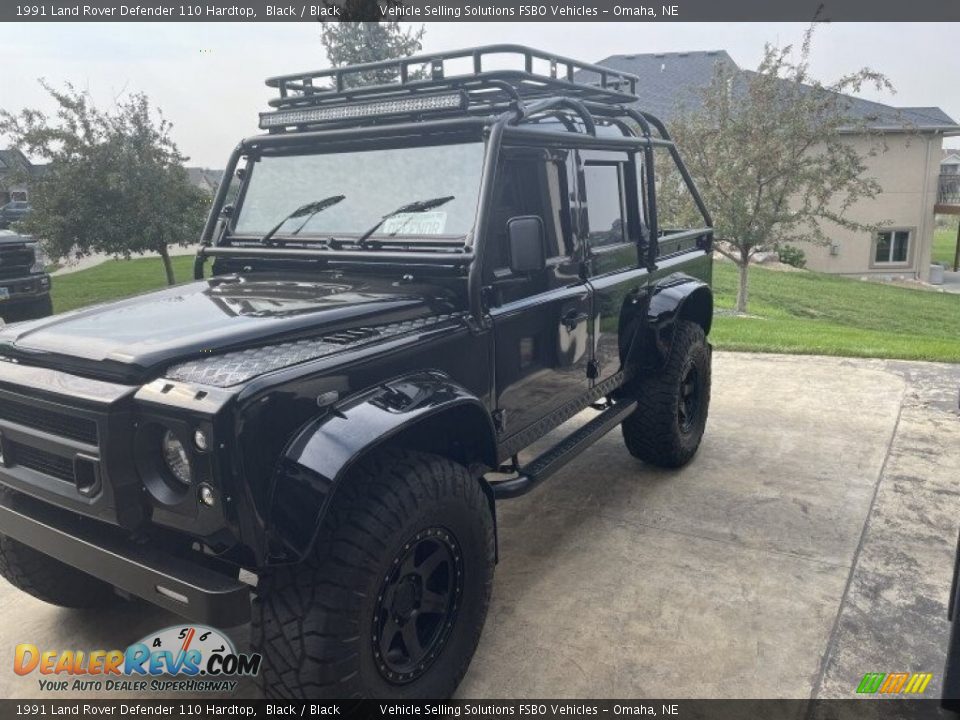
(418,80)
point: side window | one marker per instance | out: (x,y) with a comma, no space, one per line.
(604,195)
(557,218)
(529,184)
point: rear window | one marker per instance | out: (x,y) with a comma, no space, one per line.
(604,194)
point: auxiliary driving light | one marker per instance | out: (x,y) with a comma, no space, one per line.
(176,458)
(424,103)
(200,440)
(206,496)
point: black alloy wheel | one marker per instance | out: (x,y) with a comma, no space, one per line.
(417,605)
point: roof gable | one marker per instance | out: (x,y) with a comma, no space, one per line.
(12,158)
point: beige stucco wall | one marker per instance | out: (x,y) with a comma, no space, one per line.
(908,172)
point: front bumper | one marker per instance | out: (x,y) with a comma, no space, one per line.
(25,289)
(189,589)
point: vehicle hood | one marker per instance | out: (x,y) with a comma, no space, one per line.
(134,339)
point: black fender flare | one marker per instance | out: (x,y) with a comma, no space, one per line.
(419,408)
(675,297)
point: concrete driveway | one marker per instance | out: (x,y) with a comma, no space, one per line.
(811,541)
(951,281)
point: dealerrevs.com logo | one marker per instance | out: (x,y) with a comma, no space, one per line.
(894,683)
(192,658)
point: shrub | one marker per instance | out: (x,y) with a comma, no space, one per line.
(791,255)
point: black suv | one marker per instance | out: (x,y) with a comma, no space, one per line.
(411,283)
(24,282)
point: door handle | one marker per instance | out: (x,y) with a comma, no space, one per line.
(571,319)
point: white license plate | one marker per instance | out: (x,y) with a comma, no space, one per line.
(4,293)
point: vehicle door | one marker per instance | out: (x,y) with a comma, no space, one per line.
(613,215)
(540,319)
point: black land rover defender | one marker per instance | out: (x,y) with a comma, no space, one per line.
(410,283)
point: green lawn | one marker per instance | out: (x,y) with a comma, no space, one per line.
(115,279)
(813,313)
(802,312)
(944,246)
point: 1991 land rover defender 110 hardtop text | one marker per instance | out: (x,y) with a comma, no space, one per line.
(404,286)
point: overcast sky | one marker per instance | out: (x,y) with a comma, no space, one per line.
(208,78)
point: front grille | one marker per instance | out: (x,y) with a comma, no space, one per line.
(41,461)
(15,262)
(69,426)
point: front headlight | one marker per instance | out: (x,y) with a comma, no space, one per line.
(39,260)
(176,458)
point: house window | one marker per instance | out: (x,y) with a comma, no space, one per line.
(892,246)
(604,194)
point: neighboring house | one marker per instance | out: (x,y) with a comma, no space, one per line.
(12,165)
(950,165)
(205,179)
(909,172)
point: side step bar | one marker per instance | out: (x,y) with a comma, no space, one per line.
(542,467)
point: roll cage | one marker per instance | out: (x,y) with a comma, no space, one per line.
(449,94)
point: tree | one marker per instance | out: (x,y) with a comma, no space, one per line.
(351,43)
(115,182)
(768,154)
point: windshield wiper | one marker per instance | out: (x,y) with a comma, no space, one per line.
(310,209)
(418,206)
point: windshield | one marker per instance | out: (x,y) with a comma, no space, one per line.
(374,184)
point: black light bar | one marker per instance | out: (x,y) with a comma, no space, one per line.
(400,106)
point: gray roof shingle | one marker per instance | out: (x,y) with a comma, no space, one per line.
(670,81)
(667,80)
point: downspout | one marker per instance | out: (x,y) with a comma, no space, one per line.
(923,257)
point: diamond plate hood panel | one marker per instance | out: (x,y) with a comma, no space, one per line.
(237,367)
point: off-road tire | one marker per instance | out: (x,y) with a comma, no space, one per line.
(49,579)
(315,622)
(655,431)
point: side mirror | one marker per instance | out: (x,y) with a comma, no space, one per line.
(525,235)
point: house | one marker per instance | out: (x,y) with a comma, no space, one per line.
(13,166)
(950,165)
(204,178)
(909,171)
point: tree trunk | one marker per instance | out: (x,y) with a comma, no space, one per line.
(743,266)
(167,264)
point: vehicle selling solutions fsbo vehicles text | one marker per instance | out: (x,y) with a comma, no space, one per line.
(524,11)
